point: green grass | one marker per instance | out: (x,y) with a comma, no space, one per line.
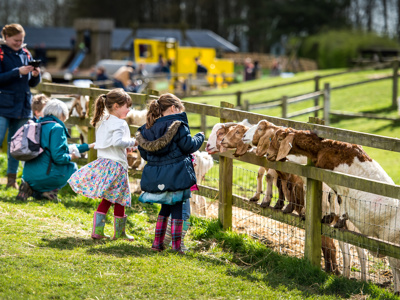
(46,253)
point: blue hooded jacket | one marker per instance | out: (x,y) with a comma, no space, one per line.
(15,93)
(54,140)
(166,147)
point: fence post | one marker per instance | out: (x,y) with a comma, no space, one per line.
(189,85)
(246,105)
(238,99)
(312,247)
(92,154)
(284,107)
(316,89)
(225,185)
(327,102)
(203,122)
(395,83)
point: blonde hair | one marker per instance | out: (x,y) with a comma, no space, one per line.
(11,30)
(157,107)
(39,101)
(104,101)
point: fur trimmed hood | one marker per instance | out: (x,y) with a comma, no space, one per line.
(161,142)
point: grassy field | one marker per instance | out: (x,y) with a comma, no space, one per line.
(46,253)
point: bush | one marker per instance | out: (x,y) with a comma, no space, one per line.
(336,49)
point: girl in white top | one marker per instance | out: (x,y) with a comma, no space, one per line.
(107,177)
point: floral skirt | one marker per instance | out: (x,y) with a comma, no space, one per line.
(103,179)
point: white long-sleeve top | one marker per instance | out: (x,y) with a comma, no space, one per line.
(112,139)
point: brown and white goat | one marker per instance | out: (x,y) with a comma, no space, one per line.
(233,137)
(377,216)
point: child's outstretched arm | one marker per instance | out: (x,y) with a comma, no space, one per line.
(187,143)
(118,139)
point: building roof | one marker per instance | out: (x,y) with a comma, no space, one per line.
(122,38)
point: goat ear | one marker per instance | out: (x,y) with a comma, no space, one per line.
(261,147)
(241,149)
(285,147)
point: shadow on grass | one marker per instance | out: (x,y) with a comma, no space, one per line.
(105,246)
(256,262)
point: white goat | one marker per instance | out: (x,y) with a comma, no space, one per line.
(203,163)
(136,117)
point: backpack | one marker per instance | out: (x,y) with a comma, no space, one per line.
(24,49)
(25,144)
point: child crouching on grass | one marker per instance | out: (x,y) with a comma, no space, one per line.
(107,177)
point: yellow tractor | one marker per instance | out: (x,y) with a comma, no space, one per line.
(182,60)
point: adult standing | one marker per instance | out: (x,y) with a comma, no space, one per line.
(16,79)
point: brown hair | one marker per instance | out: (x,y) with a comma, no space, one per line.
(39,101)
(11,30)
(157,107)
(118,96)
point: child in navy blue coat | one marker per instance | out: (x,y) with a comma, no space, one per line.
(166,144)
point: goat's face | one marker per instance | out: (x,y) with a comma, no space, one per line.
(234,136)
(264,143)
(280,144)
(214,141)
(217,134)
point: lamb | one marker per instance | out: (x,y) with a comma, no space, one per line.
(378,216)
(136,117)
(203,163)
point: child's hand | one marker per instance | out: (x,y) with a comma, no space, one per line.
(74,156)
(91,146)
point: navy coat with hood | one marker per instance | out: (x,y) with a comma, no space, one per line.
(166,147)
(15,94)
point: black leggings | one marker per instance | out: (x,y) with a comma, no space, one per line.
(174,210)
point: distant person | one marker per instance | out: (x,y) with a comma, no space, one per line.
(107,177)
(200,69)
(248,69)
(72,42)
(256,70)
(141,72)
(38,103)
(46,174)
(123,77)
(16,80)
(87,40)
(276,68)
(101,76)
(162,67)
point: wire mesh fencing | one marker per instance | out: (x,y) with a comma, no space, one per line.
(287,236)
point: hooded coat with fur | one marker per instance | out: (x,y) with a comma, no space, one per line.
(166,147)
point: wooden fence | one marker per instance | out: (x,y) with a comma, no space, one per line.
(317,88)
(315,176)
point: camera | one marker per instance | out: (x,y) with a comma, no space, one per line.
(34,63)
